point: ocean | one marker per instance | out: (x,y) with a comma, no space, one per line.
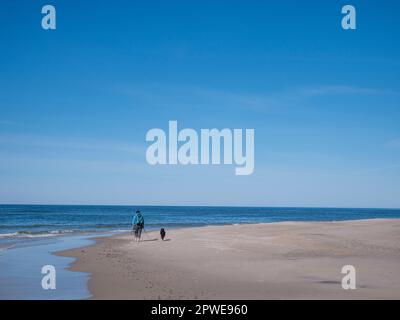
(32,221)
(30,234)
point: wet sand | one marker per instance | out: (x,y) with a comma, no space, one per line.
(288,260)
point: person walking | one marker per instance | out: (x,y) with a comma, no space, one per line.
(137,225)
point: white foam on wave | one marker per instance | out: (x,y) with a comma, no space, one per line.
(8,235)
(121,230)
(28,234)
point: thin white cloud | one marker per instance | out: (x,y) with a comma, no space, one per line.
(185,96)
(341,90)
(54,142)
(395,143)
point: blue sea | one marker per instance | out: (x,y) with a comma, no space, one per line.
(31,221)
(29,234)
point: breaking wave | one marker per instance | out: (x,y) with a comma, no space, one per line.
(32,234)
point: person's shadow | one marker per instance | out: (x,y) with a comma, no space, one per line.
(155,239)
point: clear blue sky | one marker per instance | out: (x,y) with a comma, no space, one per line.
(76,102)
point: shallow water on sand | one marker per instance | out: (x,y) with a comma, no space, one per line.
(21,266)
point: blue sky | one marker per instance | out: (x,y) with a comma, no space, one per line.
(76,102)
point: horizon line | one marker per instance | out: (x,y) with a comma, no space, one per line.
(197,206)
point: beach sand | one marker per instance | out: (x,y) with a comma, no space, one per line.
(288,260)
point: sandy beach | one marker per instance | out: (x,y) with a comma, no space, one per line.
(288,260)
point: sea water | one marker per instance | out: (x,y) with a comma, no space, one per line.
(31,221)
(21,270)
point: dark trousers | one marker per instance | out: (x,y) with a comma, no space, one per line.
(137,230)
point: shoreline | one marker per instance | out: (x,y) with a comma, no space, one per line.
(21,270)
(246,261)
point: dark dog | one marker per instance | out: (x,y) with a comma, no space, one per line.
(162,233)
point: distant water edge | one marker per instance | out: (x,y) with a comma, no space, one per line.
(42,221)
